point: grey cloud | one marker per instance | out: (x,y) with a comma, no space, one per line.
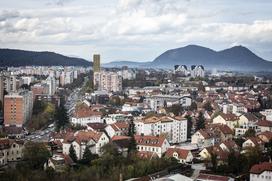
(8,14)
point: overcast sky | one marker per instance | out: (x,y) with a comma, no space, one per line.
(135,30)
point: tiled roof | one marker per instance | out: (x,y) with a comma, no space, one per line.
(267,134)
(255,140)
(13,130)
(182,153)
(229,117)
(83,136)
(259,168)
(264,123)
(230,144)
(84,111)
(146,154)
(155,141)
(97,126)
(203,176)
(119,126)
(205,133)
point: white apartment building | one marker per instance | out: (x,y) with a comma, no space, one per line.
(156,102)
(51,82)
(174,129)
(10,83)
(68,77)
(181,70)
(108,81)
(127,74)
(197,71)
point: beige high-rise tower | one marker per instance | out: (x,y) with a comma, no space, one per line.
(96,63)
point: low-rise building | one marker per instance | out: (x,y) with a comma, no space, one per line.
(202,138)
(261,172)
(117,129)
(182,155)
(153,144)
(85,139)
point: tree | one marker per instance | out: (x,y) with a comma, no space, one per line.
(72,153)
(35,155)
(214,161)
(208,107)
(61,117)
(176,109)
(193,106)
(87,156)
(200,121)
(38,107)
(189,125)
(250,133)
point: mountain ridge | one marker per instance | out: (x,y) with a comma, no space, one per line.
(237,58)
(16,58)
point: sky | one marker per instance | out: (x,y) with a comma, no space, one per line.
(134,30)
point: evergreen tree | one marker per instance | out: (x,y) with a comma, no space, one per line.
(87,156)
(193,106)
(189,125)
(61,117)
(208,107)
(131,132)
(200,121)
(72,153)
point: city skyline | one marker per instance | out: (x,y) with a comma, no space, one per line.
(136,30)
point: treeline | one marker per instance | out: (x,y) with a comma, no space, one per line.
(111,165)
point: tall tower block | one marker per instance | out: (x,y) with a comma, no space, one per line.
(96,63)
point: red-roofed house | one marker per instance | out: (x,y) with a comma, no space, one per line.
(84,115)
(253,142)
(157,144)
(59,162)
(265,125)
(231,120)
(265,136)
(202,138)
(261,172)
(117,129)
(82,139)
(182,155)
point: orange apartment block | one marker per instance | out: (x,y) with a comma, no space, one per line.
(13,113)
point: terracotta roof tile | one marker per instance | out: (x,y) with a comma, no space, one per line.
(259,168)
(182,153)
(155,141)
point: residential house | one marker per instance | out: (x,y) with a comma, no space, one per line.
(85,139)
(231,120)
(264,125)
(265,136)
(84,115)
(117,129)
(154,144)
(203,138)
(59,162)
(261,172)
(182,155)
(10,150)
(253,142)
